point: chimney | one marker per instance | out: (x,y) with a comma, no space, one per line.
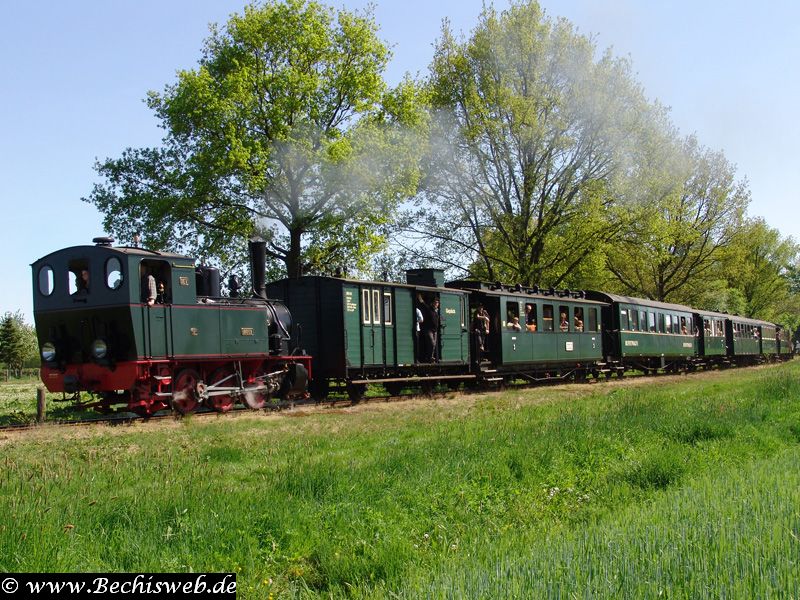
(258,266)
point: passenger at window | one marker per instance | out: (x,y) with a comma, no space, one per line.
(150,290)
(578,319)
(514,324)
(564,323)
(161,295)
(82,282)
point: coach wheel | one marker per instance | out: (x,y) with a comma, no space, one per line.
(356,391)
(319,389)
(184,386)
(453,386)
(427,388)
(394,388)
(224,378)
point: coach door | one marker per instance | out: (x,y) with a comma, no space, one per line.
(372,326)
(454,333)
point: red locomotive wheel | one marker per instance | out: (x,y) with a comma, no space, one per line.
(253,397)
(184,391)
(221,402)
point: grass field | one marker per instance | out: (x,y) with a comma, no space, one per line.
(679,487)
(18,403)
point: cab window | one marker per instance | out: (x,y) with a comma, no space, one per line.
(46,280)
(155,282)
(78,277)
(113,273)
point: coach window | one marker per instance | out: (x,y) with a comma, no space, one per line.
(668,323)
(512,316)
(651,322)
(376,307)
(623,320)
(563,318)
(113,273)
(387,308)
(530,317)
(46,280)
(634,320)
(547,317)
(365,304)
(593,324)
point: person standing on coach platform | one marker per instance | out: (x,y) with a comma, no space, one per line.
(430,330)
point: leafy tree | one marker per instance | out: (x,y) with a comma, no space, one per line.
(285,129)
(526,132)
(15,347)
(792,275)
(688,209)
(757,263)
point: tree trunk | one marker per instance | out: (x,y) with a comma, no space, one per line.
(294,258)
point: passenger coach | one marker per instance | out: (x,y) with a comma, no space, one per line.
(648,335)
(362,332)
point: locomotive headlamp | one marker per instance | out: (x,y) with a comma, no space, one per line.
(48,352)
(99,349)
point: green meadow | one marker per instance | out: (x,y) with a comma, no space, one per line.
(676,487)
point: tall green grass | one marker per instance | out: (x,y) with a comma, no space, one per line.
(442,498)
(726,535)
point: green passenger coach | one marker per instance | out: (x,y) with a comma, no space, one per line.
(536,333)
(363,332)
(648,335)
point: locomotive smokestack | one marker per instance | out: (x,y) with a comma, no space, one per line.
(258,266)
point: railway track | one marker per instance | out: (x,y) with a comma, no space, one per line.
(340,399)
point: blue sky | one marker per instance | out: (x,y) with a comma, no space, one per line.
(74,75)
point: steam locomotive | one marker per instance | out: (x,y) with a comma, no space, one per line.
(145,331)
